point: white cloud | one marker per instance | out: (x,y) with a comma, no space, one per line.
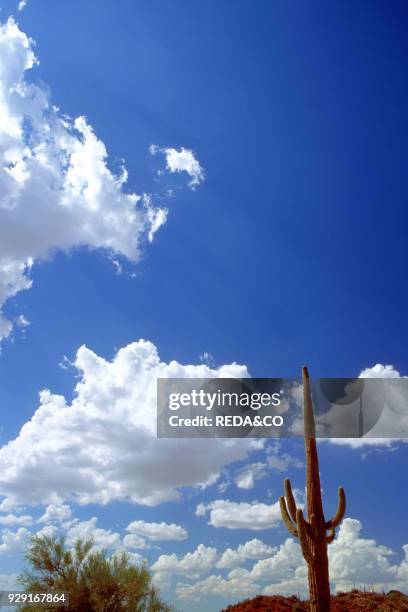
(22,4)
(21,321)
(238,585)
(158,531)
(48,531)
(132,540)
(241,515)
(385,412)
(14,541)
(56,513)
(394,416)
(203,559)
(103,538)
(13,519)
(353,561)
(181,160)
(103,446)
(380,371)
(192,564)
(134,557)
(253,549)
(285,565)
(57,191)
(246,477)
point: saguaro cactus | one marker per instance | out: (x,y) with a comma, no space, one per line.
(315,533)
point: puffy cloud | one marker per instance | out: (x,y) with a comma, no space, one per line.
(48,531)
(285,564)
(134,558)
(158,531)
(103,538)
(353,560)
(56,513)
(203,559)
(57,190)
(193,564)
(103,446)
(14,541)
(394,416)
(253,549)
(241,515)
(132,540)
(238,584)
(385,413)
(181,160)
(380,371)
(13,519)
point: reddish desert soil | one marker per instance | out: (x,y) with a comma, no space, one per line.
(353,601)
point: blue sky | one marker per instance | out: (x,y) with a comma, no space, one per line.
(290,250)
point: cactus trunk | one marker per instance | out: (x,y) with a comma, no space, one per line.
(318,567)
(312,533)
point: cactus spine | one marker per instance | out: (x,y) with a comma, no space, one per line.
(315,533)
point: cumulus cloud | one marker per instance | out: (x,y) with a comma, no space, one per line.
(181,160)
(103,446)
(253,549)
(103,538)
(354,560)
(132,540)
(382,404)
(241,515)
(285,565)
(158,531)
(204,558)
(59,522)
(380,371)
(13,519)
(238,585)
(394,416)
(56,513)
(13,542)
(192,564)
(57,190)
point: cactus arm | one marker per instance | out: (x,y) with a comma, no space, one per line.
(290,500)
(286,518)
(303,539)
(331,535)
(341,509)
